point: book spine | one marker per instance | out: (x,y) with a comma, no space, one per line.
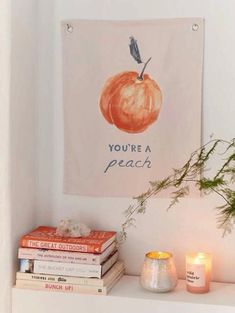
(115,271)
(65,256)
(67,269)
(59,256)
(57,287)
(59,279)
(69,288)
(62,246)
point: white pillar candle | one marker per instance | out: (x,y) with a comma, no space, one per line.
(198,272)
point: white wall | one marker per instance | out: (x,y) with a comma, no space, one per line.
(5,215)
(45,109)
(18,64)
(189,226)
(23,119)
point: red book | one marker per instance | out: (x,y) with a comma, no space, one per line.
(44,237)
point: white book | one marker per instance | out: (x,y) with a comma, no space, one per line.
(71,288)
(67,269)
(106,279)
(65,256)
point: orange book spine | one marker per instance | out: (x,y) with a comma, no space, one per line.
(63,246)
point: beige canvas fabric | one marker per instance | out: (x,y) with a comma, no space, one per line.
(121,131)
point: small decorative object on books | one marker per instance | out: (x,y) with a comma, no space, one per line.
(71,228)
(158,272)
(198,272)
(69,264)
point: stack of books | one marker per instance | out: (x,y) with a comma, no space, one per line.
(70,264)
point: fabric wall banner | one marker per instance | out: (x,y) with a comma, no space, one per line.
(132,102)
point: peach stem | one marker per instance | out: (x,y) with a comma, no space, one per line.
(140,77)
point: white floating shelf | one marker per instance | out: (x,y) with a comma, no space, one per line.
(127,297)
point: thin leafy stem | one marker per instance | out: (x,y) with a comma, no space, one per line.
(221,195)
(231,158)
(191,174)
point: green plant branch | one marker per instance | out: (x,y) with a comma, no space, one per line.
(221,195)
(191,172)
(231,158)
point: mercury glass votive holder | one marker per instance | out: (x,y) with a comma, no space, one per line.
(158,272)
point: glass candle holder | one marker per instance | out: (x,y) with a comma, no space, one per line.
(158,272)
(198,272)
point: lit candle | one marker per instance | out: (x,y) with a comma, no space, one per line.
(158,272)
(198,272)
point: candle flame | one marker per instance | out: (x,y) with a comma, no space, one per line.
(201,258)
(159,255)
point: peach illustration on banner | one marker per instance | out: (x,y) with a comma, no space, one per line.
(129,100)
